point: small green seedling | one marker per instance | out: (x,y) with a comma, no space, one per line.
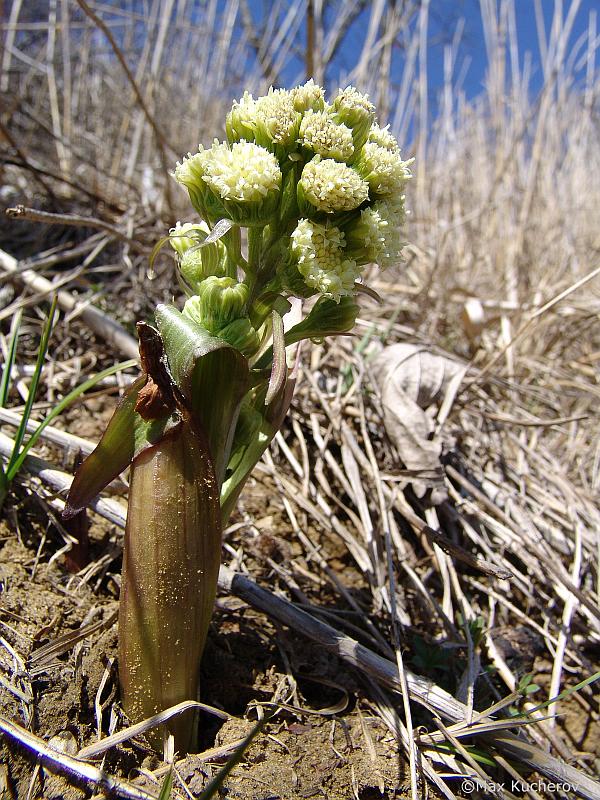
(22,446)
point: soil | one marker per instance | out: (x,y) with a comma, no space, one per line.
(304,753)
(327,742)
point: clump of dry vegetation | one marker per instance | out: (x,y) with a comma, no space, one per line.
(432,600)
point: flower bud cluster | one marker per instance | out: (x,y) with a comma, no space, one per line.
(321,184)
(197,260)
(322,260)
(220,308)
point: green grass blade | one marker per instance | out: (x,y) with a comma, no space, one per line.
(69,398)
(216,783)
(5,388)
(3,486)
(582,684)
(165,789)
(10,360)
(20,435)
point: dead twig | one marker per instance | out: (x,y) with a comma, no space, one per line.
(76,770)
(75,220)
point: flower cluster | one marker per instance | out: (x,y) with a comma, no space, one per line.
(321,135)
(322,259)
(330,186)
(318,185)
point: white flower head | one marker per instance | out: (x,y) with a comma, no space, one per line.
(277,116)
(383,138)
(384,170)
(242,119)
(380,227)
(308,97)
(353,101)
(322,261)
(188,171)
(243,172)
(330,186)
(323,136)
(355,110)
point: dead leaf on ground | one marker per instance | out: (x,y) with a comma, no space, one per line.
(417,389)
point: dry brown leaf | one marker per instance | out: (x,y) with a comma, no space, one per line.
(413,385)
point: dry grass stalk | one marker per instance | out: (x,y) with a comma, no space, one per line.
(384,671)
(506,187)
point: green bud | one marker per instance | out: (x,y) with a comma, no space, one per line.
(241,335)
(196,263)
(186,235)
(327,318)
(353,109)
(219,301)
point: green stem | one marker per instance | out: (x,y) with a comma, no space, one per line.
(255,248)
(235,259)
(266,271)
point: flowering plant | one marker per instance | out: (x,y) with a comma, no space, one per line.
(318,189)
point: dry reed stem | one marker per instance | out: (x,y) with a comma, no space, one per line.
(21,212)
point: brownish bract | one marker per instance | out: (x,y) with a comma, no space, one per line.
(170,569)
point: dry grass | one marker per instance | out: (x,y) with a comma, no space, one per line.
(504,211)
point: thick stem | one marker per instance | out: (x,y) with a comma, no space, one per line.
(255,243)
(170,570)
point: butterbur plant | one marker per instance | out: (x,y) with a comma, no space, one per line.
(301,196)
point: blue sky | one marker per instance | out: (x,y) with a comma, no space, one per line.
(443,19)
(473,45)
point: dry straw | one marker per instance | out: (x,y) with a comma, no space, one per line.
(504,212)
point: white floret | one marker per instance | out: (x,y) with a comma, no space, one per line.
(308,96)
(322,261)
(322,135)
(330,186)
(383,169)
(242,172)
